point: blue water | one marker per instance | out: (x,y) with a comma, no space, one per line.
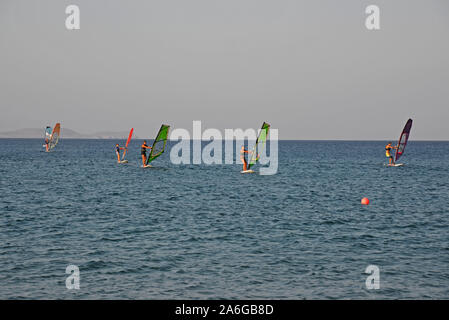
(209,232)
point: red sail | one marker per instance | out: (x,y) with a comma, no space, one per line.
(129,137)
(127,142)
(54,138)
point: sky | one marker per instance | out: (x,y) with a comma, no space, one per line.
(310,68)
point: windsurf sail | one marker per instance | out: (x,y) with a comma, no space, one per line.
(54,138)
(403,139)
(127,143)
(159,143)
(260,143)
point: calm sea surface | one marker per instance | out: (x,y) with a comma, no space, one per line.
(209,232)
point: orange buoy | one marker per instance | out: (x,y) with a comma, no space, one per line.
(365,201)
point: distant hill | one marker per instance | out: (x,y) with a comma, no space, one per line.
(66,133)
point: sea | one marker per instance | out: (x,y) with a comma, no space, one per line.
(206,231)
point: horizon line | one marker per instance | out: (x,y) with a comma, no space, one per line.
(341,140)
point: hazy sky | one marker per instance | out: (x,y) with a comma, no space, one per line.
(310,68)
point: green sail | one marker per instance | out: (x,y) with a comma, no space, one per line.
(260,143)
(159,143)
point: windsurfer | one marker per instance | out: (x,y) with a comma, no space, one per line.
(242,157)
(117,151)
(143,152)
(47,138)
(388,149)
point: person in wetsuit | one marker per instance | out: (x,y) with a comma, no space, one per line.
(47,138)
(242,157)
(143,152)
(117,151)
(46,144)
(388,153)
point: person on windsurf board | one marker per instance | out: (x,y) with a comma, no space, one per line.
(242,157)
(52,137)
(47,138)
(143,152)
(117,152)
(46,144)
(388,153)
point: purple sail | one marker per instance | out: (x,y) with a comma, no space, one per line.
(403,139)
